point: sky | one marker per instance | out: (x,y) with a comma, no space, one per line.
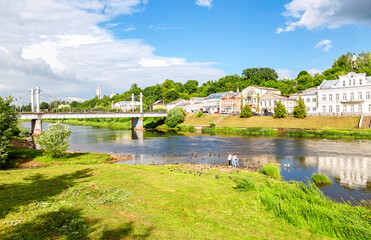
(69,47)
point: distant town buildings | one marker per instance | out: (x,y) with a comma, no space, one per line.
(127,106)
(98,93)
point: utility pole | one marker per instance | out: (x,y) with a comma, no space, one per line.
(32,92)
(132,102)
(141,102)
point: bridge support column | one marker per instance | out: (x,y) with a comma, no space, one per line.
(36,127)
(137,123)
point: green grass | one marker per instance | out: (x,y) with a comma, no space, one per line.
(305,206)
(114,201)
(272,171)
(321,179)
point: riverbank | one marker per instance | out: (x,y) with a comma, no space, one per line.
(95,200)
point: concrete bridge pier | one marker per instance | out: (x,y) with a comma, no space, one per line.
(36,126)
(137,123)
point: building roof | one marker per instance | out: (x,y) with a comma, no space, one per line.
(158,102)
(269,95)
(326,84)
(176,101)
(219,95)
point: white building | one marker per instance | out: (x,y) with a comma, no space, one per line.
(175,104)
(252,94)
(310,99)
(126,106)
(348,95)
(269,100)
(195,105)
(99,93)
(212,102)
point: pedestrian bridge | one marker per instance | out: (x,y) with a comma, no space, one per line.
(37,117)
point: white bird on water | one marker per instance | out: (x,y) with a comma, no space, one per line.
(287,165)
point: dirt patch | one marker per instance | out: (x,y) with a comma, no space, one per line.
(22,143)
(31,163)
(117,158)
(221,168)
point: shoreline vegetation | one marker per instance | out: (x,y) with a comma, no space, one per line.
(311,127)
(83,196)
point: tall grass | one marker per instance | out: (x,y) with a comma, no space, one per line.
(272,171)
(305,206)
(321,179)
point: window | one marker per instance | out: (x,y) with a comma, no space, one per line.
(308,109)
(352,108)
(314,99)
(344,108)
(314,109)
(344,96)
(351,96)
(359,108)
(270,103)
(360,81)
(343,83)
(367,95)
(308,99)
(369,108)
(323,97)
(354,82)
(350,82)
(323,108)
(337,96)
(337,108)
(330,108)
(330,97)
(360,95)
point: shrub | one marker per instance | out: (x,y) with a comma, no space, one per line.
(174,117)
(279,110)
(8,129)
(300,110)
(245,184)
(321,179)
(199,114)
(212,125)
(54,141)
(246,111)
(271,170)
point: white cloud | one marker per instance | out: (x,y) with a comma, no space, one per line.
(162,28)
(284,74)
(128,29)
(325,45)
(313,71)
(204,3)
(313,14)
(60,46)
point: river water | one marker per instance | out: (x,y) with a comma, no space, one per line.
(347,162)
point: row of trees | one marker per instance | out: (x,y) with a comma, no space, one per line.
(300,110)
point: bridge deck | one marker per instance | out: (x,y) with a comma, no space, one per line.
(30,116)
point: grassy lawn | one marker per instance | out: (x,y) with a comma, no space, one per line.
(313,122)
(205,119)
(111,201)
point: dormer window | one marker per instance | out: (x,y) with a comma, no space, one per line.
(350,82)
(354,82)
(343,83)
(360,81)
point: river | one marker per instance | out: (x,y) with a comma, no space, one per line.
(347,162)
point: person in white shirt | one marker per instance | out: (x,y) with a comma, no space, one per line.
(235,161)
(230,158)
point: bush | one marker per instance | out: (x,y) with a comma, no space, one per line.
(271,170)
(300,110)
(212,125)
(246,111)
(54,141)
(174,117)
(245,184)
(8,129)
(321,179)
(199,114)
(279,110)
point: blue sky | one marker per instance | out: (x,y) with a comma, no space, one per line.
(69,47)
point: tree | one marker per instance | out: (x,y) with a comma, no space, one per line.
(279,110)
(44,105)
(302,73)
(246,111)
(174,117)
(258,75)
(8,129)
(300,110)
(191,86)
(170,95)
(54,141)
